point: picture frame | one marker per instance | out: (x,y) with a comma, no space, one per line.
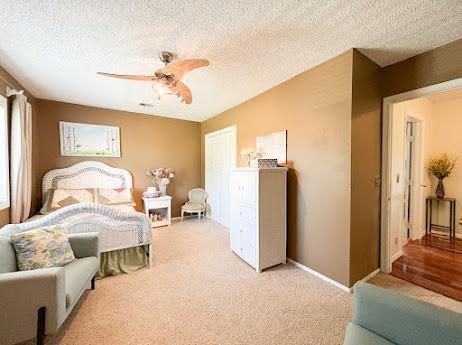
(273,146)
(89,140)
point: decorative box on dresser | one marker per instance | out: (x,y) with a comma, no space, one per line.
(258,215)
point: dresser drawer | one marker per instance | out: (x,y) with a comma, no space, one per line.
(242,214)
(246,252)
(244,234)
(243,187)
(157,203)
(243,238)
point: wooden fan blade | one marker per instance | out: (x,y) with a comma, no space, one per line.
(181,90)
(130,77)
(181,67)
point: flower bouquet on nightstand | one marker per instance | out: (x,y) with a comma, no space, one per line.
(161,177)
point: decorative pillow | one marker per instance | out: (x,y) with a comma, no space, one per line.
(42,248)
(116,196)
(58,198)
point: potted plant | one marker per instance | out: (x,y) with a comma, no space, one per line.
(441,168)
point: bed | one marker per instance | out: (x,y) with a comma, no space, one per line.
(124,233)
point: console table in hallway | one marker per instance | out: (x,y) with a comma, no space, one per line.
(429,216)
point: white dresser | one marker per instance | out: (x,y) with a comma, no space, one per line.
(258,215)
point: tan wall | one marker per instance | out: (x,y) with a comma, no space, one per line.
(446,129)
(315,108)
(5,214)
(432,67)
(365,168)
(146,142)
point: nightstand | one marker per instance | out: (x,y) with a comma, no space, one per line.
(158,210)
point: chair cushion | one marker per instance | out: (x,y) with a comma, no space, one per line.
(193,207)
(77,274)
(42,248)
(357,335)
(7,256)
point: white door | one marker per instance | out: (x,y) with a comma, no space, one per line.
(408,181)
(220,157)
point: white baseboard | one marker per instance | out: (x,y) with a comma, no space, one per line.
(458,235)
(330,280)
(396,256)
(319,275)
(370,275)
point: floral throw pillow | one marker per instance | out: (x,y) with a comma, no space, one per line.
(58,198)
(42,248)
(115,196)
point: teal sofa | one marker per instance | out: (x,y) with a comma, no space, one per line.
(381,317)
(35,303)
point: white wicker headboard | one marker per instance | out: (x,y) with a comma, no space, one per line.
(88,174)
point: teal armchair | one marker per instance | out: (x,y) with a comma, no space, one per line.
(381,317)
(37,302)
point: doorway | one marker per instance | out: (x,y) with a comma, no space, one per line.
(421,242)
(393,187)
(220,157)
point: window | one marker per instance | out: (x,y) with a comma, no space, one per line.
(4,162)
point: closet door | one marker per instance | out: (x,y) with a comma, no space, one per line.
(220,157)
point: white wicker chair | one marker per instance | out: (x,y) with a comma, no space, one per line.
(196,204)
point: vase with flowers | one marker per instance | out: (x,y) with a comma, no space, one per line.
(161,177)
(441,168)
(248,154)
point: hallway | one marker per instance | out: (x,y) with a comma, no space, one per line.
(433,262)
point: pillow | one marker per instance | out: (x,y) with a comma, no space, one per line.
(115,196)
(58,198)
(42,248)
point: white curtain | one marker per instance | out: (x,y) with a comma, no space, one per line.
(21,159)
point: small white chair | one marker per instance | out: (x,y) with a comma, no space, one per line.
(196,204)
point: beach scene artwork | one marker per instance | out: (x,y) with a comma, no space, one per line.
(81,139)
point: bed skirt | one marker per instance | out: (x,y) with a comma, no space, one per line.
(122,261)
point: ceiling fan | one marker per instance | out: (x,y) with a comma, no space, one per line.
(167,80)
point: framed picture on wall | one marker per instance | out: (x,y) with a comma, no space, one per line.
(273,146)
(81,139)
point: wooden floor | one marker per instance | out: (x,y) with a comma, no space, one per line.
(433,262)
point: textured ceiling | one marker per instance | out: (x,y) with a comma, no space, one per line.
(55,48)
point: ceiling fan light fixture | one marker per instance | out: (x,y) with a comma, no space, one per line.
(159,91)
(167,80)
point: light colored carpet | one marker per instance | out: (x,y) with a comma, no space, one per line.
(411,290)
(199,292)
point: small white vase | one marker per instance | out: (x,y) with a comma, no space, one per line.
(163,189)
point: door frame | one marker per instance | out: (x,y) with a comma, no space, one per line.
(387,122)
(226,130)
